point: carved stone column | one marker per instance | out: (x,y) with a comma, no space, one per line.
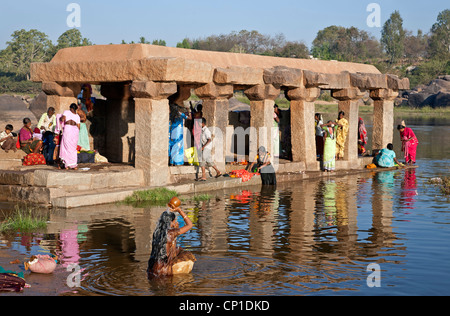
(302,125)
(61,96)
(262,99)
(152,129)
(348,102)
(383,117)
(215,111)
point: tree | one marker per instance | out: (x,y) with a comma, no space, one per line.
(294,50)
(142,40)
(184,44)
(439,43)
(25,48)
(415,46)
(71,38)
(345,44)
(159,42)
(393,37)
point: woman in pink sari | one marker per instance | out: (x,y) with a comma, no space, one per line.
(409,143)
(70,125)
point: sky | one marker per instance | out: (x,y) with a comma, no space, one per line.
(111,21)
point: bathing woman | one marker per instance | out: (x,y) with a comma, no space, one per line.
(166,258)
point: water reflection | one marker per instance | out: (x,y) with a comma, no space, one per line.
(300,238)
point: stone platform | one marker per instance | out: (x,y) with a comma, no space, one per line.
(109,183)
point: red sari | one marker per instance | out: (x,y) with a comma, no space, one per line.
(409,144)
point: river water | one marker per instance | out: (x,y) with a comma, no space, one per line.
(315,237)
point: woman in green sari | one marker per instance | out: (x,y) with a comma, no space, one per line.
(329,150)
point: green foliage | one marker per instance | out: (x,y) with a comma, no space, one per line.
(393,37)
(26,47)
(159,42)
(248,42)
(158,196)
(23,220)
(184,44)
(439,43)
(428,71)
(72,38)
(345,44)
(9,83)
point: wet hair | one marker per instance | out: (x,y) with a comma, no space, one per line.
(9,127)
(159,241)
(390,146)
(74,107)
(26,121)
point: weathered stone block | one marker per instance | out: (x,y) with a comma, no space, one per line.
(347,94)
(283,76)
(238,75)
(214,91)
(335,81)
(394,83)
(63,90)
(153,90)
(262,92)
(307,94)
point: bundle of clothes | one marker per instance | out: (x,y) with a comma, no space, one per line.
(243,174)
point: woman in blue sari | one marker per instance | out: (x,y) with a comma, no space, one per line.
(386,157)
(176,143)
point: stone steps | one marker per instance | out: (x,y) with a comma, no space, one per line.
(45,184)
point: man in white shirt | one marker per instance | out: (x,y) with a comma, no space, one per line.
(47,122)
(47,125)
(205,156)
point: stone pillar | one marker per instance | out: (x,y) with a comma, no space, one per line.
(61,96)
(215,111)
(349,103)
(302,125)
(383,117)
(119,120)
(152,129)
(262,99)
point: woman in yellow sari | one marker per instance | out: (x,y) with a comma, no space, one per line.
(341,135)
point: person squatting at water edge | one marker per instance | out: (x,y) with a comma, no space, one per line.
(264,167)
(386,157)
(166,258)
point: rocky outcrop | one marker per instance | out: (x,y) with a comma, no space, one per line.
(436,94)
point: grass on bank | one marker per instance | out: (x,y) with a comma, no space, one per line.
(23,220)
(161,196)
